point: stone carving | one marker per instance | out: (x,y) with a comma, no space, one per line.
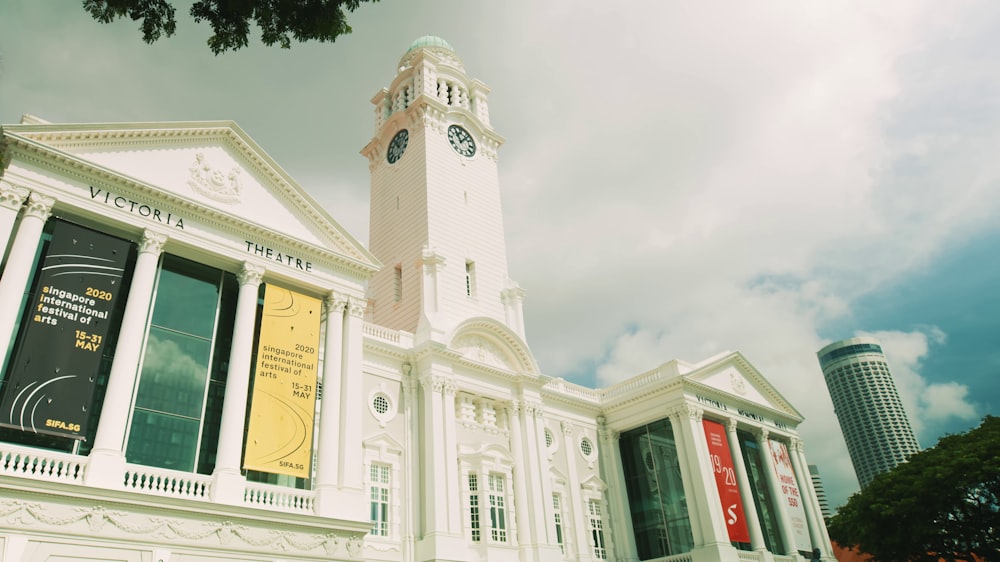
(481,350)
(738,384)
(215,183)
(112,523)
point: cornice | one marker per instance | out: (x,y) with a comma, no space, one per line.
(70,166)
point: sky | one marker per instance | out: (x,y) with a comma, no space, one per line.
(678,179)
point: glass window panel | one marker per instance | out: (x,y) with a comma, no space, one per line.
(174,373)
(162,440)
(186,297)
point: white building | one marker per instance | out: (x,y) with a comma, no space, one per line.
(265,388)
(871,415)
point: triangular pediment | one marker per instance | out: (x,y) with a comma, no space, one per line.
(212,170)
(731,380)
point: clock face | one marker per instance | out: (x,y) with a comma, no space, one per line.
(397,146)
(461,141)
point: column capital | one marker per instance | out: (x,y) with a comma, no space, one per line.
(731,426)
(797,445)
(567,429)
(761,433)
(39,206)
(450,388)
(251,274)
(357,307)
(335,302)
(515,407)
(152,242)
(434,383)
(11,196)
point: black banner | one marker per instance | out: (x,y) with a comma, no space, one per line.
(53,373)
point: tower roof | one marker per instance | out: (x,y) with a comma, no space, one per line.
(430,41)
(436,45)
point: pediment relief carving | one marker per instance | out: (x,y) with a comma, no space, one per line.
(215,183)
(481,350)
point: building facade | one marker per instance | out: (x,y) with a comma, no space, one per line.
(871,415)
(200,364)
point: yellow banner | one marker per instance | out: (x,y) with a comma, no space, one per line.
(279,436)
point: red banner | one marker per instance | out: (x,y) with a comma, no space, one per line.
(725,480)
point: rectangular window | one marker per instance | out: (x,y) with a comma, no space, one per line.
(178,399)
(397,284)
(557,516)
(498,511)
(474,506)
(596,530)
(380,499)
(470,279)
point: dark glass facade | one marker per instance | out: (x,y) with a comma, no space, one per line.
(761,492)
(655,489)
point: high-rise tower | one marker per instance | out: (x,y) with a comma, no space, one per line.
(436,223)
(871,415)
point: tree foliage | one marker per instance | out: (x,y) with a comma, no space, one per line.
(280,21)
(943,503)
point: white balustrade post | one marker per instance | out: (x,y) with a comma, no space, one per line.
(107,459)
(19,261)
(228,480)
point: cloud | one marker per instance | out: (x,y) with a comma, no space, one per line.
(925,403)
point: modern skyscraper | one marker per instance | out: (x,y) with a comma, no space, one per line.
(871,415)
(817,482)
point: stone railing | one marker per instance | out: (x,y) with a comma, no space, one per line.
(279,498)
(168,483)
(41,464)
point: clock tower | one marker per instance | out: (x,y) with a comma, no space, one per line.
(436,222)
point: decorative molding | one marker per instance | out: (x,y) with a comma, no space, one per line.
(213,183)
(222,533)
(477,348)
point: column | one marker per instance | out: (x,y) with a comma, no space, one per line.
(523,511)
(619,518)
(328,453)
(228,480)
(11,200)
(807,495)
(513,302)
(784,525)
(107,460)
(351,399)
(19,261)
(705,507)
(540,492)
(677,418)
(746,491)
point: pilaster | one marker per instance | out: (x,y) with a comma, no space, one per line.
(107,458)
(430,326)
